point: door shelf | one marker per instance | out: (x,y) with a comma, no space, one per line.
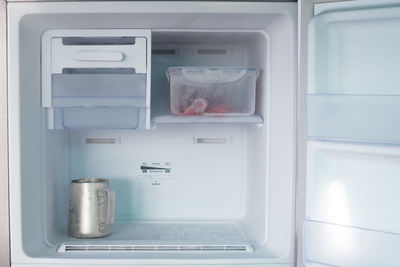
(171,119)
(359,118)
(338,245)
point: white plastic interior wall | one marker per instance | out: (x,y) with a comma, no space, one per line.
(240,190)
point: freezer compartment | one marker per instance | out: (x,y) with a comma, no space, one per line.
(201,206)
(357,118)
(342,245)
(224,175)
(222,91)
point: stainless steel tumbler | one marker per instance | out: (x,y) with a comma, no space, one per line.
(91,208)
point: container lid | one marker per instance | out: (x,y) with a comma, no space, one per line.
(212,74)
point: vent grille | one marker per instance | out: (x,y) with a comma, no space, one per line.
(151,248)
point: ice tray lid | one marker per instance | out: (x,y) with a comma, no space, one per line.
(212,74)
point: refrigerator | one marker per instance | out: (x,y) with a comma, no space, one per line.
(308,178)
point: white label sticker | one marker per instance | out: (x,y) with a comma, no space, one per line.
(155,172)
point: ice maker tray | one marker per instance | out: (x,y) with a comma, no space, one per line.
(223,91)
(164,237)
(96,78)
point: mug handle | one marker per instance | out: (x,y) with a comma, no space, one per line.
(110,206)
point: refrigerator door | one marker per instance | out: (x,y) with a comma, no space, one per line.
(352,109)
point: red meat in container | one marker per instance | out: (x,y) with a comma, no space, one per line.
(218,108)
(198,107)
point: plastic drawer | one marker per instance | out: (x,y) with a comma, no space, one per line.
(223,91)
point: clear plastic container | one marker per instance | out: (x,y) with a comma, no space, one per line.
(223,91)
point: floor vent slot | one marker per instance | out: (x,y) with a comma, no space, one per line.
(150,248)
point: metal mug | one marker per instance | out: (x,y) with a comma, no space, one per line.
(91,208)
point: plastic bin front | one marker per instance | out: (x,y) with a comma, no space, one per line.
(99,101)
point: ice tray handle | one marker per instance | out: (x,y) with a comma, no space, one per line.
(99,56)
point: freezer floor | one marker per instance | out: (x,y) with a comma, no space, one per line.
(164,237)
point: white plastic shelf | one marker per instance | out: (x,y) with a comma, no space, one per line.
(361,118)
(254,119)
(338,245)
